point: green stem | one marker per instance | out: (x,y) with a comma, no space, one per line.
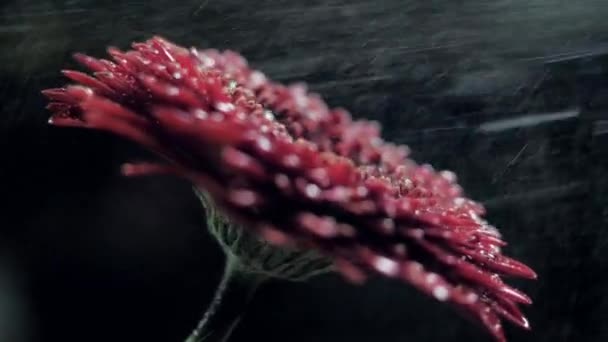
(232,296)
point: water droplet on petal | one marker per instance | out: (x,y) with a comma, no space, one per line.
(268,115)
(172,91)
(264,144)
(441,293)
(224,106)
(386,266)
(312,191)
(200,114)
(256,79)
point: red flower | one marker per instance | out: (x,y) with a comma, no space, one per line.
(278,160)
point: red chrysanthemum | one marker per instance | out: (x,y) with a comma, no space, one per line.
(282,163)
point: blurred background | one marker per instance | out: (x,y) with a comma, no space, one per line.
(512,95)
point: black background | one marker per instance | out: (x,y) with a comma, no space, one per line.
(89,256)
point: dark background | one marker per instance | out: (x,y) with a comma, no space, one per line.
(88,256)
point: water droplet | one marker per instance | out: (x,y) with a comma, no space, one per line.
(386,266)
(448,175)
(256,79)
(217,117)
(268,115)
(441,293)
(243,197)
(459,201)
(312,191)
(472,298)
(206,61)
(264,144)
(362,191)
(232,86)
(300,99)
(224,106)
(241,116)
(200,114)
(431,278)
(291,160)
(172,91)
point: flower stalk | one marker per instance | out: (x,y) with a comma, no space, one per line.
(233,295)
(250,261)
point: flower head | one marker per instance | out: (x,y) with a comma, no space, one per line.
(277,160)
